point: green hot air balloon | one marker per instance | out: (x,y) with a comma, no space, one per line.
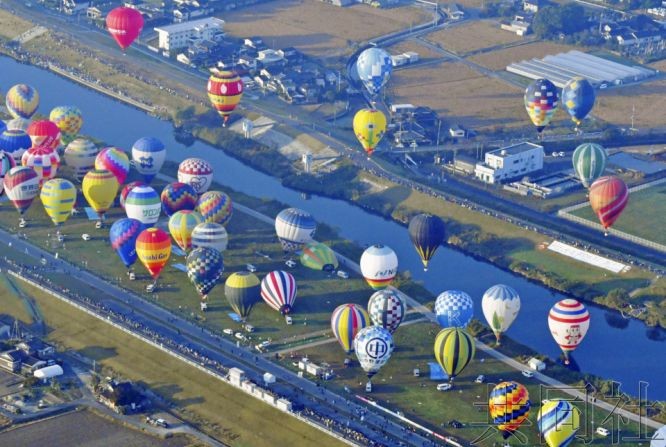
(454,349)
(427,234)
(318,256)
(589,162)
(243,291)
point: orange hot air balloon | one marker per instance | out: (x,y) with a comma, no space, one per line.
(153,247)
(608,197)
(124,24)
(225,90)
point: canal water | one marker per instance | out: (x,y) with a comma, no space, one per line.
(624,350)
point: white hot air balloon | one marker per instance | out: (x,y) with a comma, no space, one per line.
(659,438)
(568,321)
(500,305)
(373,346)
(80,155)
(379,265)
(143,204)
(210,234)
(197,173)
(294,228)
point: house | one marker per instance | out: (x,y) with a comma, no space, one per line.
(37,348)
(269,57)
(255,42)
(639,38)
(454,11)
(536,364)
(510,162)
(520,27)
(533,6)
(93,12)
(180,35)
(30,364)
(11,360)
(188,12)
(71,7)
(464,164)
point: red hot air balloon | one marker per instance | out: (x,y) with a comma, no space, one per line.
(44,133)
(124,24)
(608,197)
(225,90)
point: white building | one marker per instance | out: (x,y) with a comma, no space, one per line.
(179,35)
(510,162)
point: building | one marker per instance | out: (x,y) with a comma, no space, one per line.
(456,131)
(37,348)
(533,6)
(236,376)
(464,164)
(181,35)
(11,360)
(71,7)
(536,364)
(454,11)
(639,38)
(520,27)
(121,397)
(30,364)
(510,162)
(189,12)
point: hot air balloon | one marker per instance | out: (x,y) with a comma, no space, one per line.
(558,422)
(426,233)
(541,102)
(21,186)
(69,120)
(210,234)
(181,225)
(589,162)
(608,197)
(148,155)
(3,126)
(123,235)
(278,289)
(6,164)
(124,24)
(44,160)
(454,349)
(369,128)
(204,268)
(294,228)
(379,265)
(44,133)
(387,309)
(115,161)
(58,197)
(568,321)
(225,90)
(143,204)
(374,67)
(178,197)
(126,190)
(153,247)
(659,438)
(373,346)
(80,154)
(454,308)
(243,292)
(346,321)
(15,143)
(318,256)
(18,124)
(215,206)
(578,98)
(500,305)
(197,173)
(22,101)
(509,406)
(100,188)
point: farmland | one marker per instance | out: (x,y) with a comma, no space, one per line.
(12,26)
(473,36)
(498,60)
(644,101)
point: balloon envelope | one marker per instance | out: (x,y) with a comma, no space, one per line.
(100,188)
(454,349)
(295,228)
(426,233)
(178,197)
(568,321)
(558,421)
(578,98)
(115,161)
(589,162)
(225,90)
(369,128)
(374,67)
(500,305)
(22,101)
(243,292)
(386,309)
(123,235)
(346,321)
(509,406)
(215,206)
(197,173)
(210,234)
(126,190)
(278,289)
(44,133)
(373,346)
(80,154)
(379,265)
(181,226)
(44,160)
(143,204)
(454,308)
(21,186)
(608,198)
(204,268)
(318,256)
(659,438)
(15,143)
(541,102)
(6,164)
(148,155)
(153,247)
(124,24)
(69,120)
(58,197)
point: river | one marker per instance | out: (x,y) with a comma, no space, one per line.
(623,351)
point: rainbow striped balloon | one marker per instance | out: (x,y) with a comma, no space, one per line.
(346,321)
(115,161)
(215,206)
(58,197)
(22,101)
(44,160)
(153,247)
(568,321)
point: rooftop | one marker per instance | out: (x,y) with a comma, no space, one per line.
(515,149)
(201,23)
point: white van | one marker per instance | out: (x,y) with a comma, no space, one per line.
(228,331)
(602,431)
(527,373)
(342,274)
(368,387)
(132,276)
(444,387)
(248,327)
(288,319)
(85,236)
(251,268)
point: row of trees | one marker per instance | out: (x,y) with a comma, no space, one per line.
(550,21)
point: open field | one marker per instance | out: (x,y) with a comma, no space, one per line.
(616,105)
(83,428)
(12,26)
(224,412)
(498,60)
(318,28)
(472,36)
(643,216)
(413,45)
(11,303)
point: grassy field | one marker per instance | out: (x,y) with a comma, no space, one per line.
(498,60)
(12,26)
(299,23)
(11,303)
(617,105)
(228,414)
(643,216)
(473,36)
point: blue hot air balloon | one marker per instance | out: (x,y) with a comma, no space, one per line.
(15,143)
(374,68)
(123,236)
(454,308)
(148,155)
(578,99)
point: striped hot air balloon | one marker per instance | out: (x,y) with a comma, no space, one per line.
(80,154)
(22,101)
(6,164)
(44,160)
(100,188)
(426,233)
(500,305)
(454,349)
(373,346)
(124,192)
(318,256)
(608,198)
(143,204)
(568,321)
(69,120)
(541,102)
(243,292)
(215,206)
(387,309)
(210,234)
(21,186)
(15,142)
(278,289)
(197,173)
(558,422)
(225,90)
(204,268)
(181,225)
(509,406)
(178,196)
(44,133)
(589,162)
(153,248)
(58,197)
(369,128)
(294,227)
(346,321)
(115,161)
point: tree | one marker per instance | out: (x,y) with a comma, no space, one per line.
(572,18)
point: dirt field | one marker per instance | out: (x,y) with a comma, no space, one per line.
(317,28)
(616,105)
(498,60)
(461,95)
(469,37)
(82,428)
(11,26)
(413,45)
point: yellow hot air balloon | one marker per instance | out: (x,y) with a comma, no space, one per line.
(369,127)
(58,197)
(100,188)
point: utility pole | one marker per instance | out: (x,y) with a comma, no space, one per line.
(439,127)
(633,114)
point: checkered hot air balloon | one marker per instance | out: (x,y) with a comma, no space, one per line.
(578,99)
(225,90)
(181,226)
(608,197)
(379,265)
(6,164)
(123,235)
(44,160)
(58,197)
(374,67)
(210,234)
(21,186)
(153,247)
(22,101)
(509,406)
(178,196)
(197,173)
(386,309)
(373,346)
(454,349)
(568,321)
(215,206)
(278,289)
(589,162)
(541,102)
(295,228)
(80,155)
(346,321)
(44,133)
(115,161)
(143,204)
(204,269)
(558,422)
(69,120)
(454,308)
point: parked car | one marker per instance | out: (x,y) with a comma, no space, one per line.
(342,274)
(251,268)
(228,331)
(456,424)
(480,379)
(527,373)
(444,387)
(288,319)
(602,431)
(85,236)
